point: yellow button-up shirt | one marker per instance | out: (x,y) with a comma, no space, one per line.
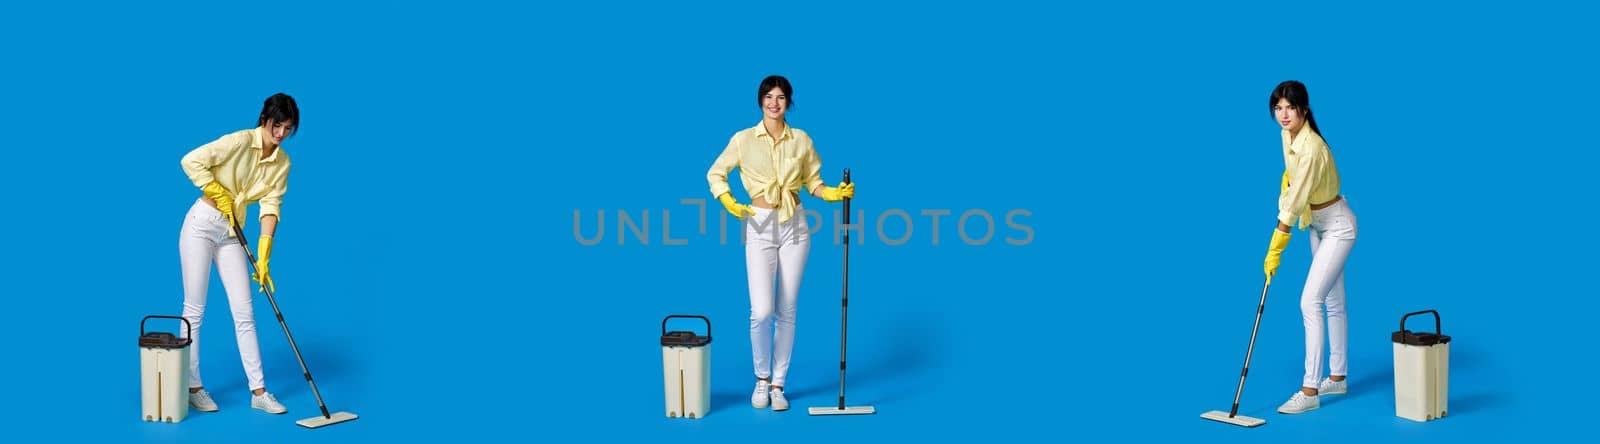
(771,170)
(235,161)
(1313,178)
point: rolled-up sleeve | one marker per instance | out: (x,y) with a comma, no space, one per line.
(1292,201)
(813,168)
(717,177)
(272,203)
(198,163)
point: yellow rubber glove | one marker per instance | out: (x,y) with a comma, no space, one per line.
(264,254)
(733,206)
(218,194)
(844,191)
(1280,241)
(1285,185)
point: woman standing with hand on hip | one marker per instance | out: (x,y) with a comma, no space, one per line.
(1309,196)
(232,171)
(775,162)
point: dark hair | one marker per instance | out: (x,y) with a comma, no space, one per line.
(779,82)
(1296,93)
(280,108)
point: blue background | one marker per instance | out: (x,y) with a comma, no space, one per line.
(428,264)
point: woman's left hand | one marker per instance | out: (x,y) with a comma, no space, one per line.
(264,249)
(1280,241)
(845,190)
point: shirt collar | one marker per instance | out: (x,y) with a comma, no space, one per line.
(1299,137)
(761,130)
(257,145)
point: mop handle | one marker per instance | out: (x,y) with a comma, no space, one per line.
(1246,372)
(238,233)
(844,301)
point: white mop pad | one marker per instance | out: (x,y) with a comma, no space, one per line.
(862,410)
(1238,420)
(319,420)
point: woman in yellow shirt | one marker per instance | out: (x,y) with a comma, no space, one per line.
(1309,196)
(238,168)
(775,162)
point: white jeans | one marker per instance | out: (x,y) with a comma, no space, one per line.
(206,236)
(1333,233)
(774,248)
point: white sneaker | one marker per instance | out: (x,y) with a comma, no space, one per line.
(1299,403)
(266,402)
(202,401)
(759,399)
(779,403)
(1332,387)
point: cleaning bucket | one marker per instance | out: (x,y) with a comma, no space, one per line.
(1421,371)
(164,372)
(686,369)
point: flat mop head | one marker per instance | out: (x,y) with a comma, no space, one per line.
(835,410)
(319,420)
(1238,420)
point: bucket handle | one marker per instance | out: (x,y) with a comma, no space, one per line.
(188,329)
(669,317)
(1436,329)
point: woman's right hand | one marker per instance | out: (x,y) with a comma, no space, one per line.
(224,201)
(735,208)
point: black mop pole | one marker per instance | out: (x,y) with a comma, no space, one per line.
(1250,351)
(844,302)
(844,324)
(252,257)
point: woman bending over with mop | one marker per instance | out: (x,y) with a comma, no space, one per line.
(238,168)
(1310,196)
(775,162)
